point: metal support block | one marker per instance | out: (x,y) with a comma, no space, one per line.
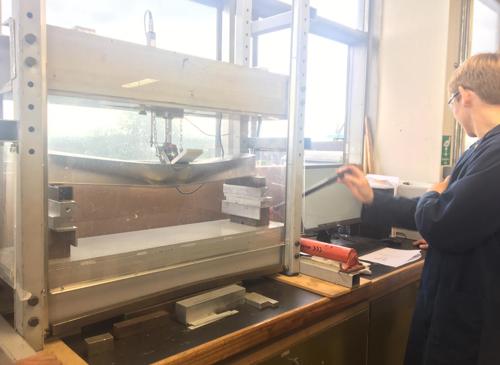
(99,344)
(260,301)
(62,209)
(317,270)
(60,243)
(61,224)
(246,191)
(264,202)
(262,222)
(140,324)
(60,192)
(196,309)
(62,231)
(246,211)
(252,181)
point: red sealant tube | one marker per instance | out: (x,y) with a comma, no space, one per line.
(348,257)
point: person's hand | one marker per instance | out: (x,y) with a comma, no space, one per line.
(40,358)
(356,181)
(440,187)
(421,244)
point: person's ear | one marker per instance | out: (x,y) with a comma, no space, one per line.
(466,96)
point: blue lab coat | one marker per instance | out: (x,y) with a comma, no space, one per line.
(457,315)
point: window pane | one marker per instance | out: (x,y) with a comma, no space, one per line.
(274,56)
(485,36)
(345,12)
(182,26)
(485,28)
(274,51)
(326,91)
(6,11)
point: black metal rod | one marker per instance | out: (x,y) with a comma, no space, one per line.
(323,183)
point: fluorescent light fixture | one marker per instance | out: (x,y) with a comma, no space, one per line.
(139,83)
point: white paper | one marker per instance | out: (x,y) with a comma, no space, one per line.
(392,257)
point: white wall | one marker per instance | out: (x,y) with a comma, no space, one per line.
(412,88)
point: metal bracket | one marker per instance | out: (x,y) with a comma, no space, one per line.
(8,130)
(13,54)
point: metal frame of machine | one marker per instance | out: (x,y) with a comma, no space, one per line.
(45,59)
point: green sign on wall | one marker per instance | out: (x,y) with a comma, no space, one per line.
(446,151)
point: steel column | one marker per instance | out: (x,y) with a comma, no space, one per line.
(240,40)
(30,109)
(295,154)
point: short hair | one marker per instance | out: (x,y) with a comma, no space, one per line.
(481,74)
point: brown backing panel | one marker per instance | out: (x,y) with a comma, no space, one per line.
(106,209)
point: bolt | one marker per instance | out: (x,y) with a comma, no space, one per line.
(33,321)
(30,38)
(30,61)
(33,301)
(297,244)
(296,256)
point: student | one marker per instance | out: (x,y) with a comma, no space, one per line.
(457,315)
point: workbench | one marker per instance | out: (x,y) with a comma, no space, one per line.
(316,322)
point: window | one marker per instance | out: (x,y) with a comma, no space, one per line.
(345,12)
(485,34)
(326,90)
(485,27)
(329,72)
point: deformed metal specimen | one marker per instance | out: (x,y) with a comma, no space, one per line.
(99,344)
(260,301)
(74,168)
(195,309)
(140,324)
